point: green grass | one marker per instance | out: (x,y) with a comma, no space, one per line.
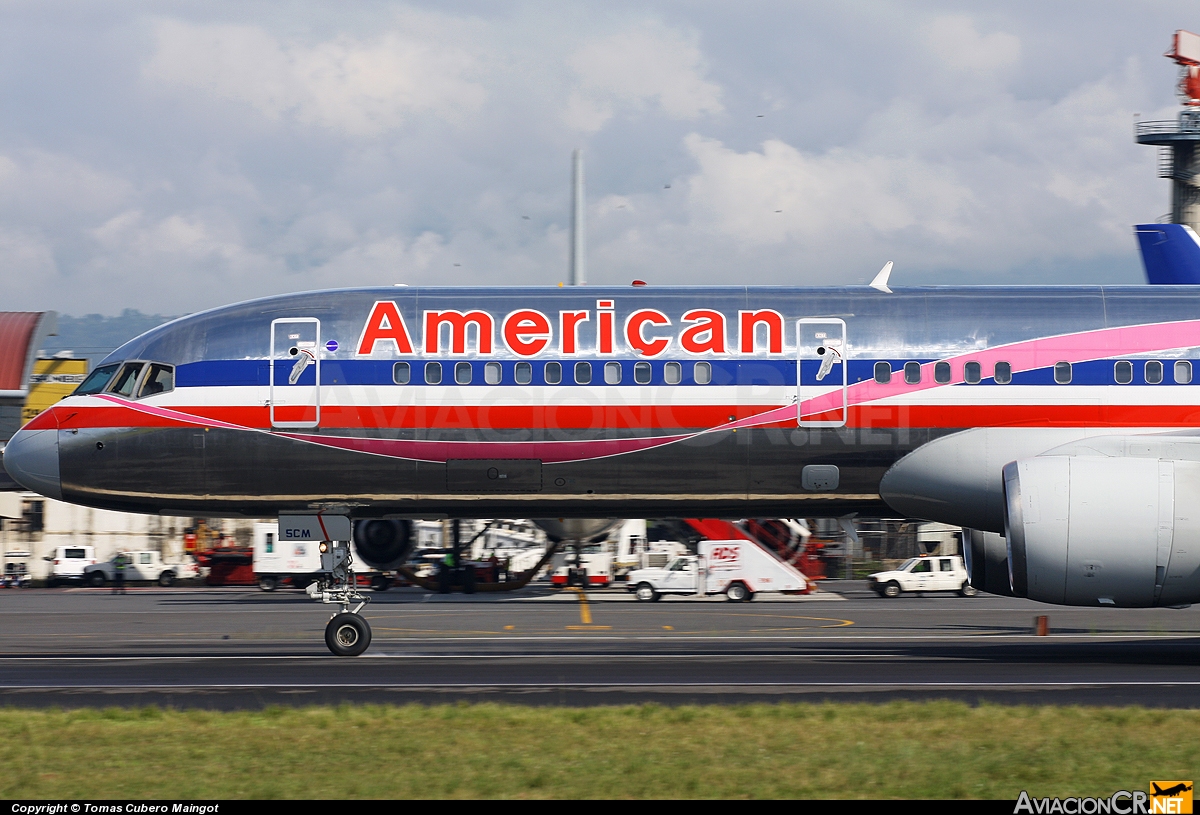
(901,749)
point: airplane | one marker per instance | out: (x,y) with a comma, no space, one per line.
(1060,426)
(1170,792)
(1170,253)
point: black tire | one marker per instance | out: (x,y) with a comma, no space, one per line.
(96,579)
(301,581)
(968,590)
(166,579)
(892,589)
(347,635)
(380,582)
(645,593)
(268,582)
(737,593)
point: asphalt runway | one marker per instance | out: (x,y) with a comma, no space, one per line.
(235,648)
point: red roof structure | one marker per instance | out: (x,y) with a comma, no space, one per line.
(20,334)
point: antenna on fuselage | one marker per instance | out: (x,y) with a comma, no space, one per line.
(578,263)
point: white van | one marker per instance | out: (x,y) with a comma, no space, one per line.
(68,564)
(739,569)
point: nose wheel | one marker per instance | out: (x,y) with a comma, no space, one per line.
(347,634)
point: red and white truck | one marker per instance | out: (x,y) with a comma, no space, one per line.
(739,569)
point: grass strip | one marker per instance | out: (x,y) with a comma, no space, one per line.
(828,750)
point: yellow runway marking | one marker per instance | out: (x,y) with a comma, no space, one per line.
(837,622)
(585,615)
(668,628)
(509,627)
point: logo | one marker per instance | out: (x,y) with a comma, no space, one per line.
(1170,797)
(724,557)
(297,533)
(331,346)
(1165,797)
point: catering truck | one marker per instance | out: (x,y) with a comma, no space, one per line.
(276,560)
(739,569)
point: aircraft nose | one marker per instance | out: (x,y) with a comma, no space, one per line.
(31,458)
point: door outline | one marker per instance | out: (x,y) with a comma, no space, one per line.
(282,367)
(807,349)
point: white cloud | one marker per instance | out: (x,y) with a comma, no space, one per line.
(956,42)
(645,64)
(353,86)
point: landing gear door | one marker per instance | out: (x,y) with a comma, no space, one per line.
(821,383)
(296,372)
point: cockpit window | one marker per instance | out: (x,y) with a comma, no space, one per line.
(96,380)
(160,379)
(127,378)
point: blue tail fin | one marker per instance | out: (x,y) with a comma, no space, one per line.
(1170,253)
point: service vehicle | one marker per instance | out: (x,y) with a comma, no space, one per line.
(592,567)
(297,562)
(922,574)
(142,564)
(68,564)
(276,561)
(739,569)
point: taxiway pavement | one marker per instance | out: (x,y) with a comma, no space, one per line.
(224,648)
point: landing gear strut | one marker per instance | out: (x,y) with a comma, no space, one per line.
(347,633)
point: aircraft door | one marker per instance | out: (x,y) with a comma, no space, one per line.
(295,372)
(822,375)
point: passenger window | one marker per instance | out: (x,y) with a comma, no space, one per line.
(433,373)
(144,557)
(641,373)
(160,379)
(946,565)
(922,567)
(1002,373)
(552,373)
(1154,372)
(1183,372)
(1062,373)
(972,373)
(401,373)
(583,373)
(941,373)
(883,372)
(492,373)
(1123,372)
(523,372)
(673,373)
(702,373)
(127,378)
(912,373)
(96,380)
(462,373)
(612,373)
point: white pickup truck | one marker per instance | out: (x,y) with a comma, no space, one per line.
(922,574)
(736,568)
(145,564)
(68,564)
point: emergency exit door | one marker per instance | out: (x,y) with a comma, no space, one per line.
(822,372)
(296,372)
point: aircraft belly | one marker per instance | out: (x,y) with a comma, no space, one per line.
(219,471)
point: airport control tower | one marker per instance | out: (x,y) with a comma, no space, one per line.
(1178,142)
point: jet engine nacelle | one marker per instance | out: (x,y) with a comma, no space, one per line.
(986,556)
(384,544)
(1096,530)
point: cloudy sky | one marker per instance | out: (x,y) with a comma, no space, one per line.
(173,156)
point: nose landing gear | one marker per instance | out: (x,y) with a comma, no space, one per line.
(347,634)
